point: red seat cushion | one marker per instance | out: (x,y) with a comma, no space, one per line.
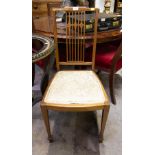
(104,56)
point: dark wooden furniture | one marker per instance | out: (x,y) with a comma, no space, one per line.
(103,36)
(75,90)
(42,49)
(40,14)
(109,59)
(43,22)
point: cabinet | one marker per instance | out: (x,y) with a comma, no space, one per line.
(40,14)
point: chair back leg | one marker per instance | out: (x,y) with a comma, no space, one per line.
(111,87)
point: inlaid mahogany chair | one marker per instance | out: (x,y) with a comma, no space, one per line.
(75,90)
(109,59)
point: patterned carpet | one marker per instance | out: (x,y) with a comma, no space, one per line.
(77,133)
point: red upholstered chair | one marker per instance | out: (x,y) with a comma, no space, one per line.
(109,59)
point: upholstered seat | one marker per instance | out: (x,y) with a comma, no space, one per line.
(75,87)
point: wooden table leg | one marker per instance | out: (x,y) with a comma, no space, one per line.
(46,121)
(105,113)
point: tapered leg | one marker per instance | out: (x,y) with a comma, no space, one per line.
(105,113)
(111,86)
(46,121)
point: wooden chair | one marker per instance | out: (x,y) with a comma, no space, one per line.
(109,59)
(75,90)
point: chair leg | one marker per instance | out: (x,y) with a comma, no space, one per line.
(33,73)
(46,121)
(44,83)
(111,86)
(105,113)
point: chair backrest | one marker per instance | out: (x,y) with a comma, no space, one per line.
(75,28)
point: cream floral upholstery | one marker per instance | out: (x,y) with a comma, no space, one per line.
(75,87)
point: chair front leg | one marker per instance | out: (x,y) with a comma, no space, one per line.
(105,113)
(46,121)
